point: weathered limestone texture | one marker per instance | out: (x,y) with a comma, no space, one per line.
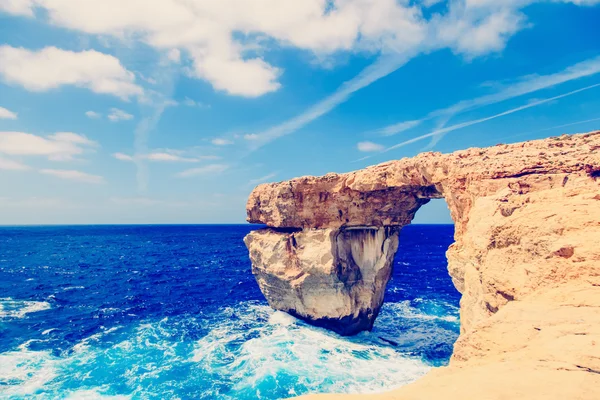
(526,259)
(526,215)
(332,278)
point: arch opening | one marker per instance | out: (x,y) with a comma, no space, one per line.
(420,313)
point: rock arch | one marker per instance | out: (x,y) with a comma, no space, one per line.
(523,213)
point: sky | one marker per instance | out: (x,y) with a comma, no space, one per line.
(172,111)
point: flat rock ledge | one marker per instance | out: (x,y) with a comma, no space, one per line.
(526,259)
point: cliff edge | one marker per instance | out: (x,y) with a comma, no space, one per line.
(526,259)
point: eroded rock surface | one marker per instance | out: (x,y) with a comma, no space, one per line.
(526,259)
(332,278)
(527,216)
(544,347)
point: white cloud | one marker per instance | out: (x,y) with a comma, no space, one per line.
(11,165)
(92,114)
(166,155)
(233,63)
(123,157)
(221,142)
(189,102)
(174,55)
(7,114)
(117,115)
(211,169)
(73,175)
(466,29)
(236,76)
(477,33)
(50,68)
(369,147)
(399,127)
(70,137)
(193,103)
(262,179)
(429,3)
(61,146)
(225,40)
(17,7)
(252,136)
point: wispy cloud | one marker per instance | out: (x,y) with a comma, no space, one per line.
(60,146)
(221,142)
(369,147)
(166,155)
(586,121)
(93,114)
(193,103)
(117,115)
(73,175)
(480,120)
(384,66)
(519,87)
(123,157)
(525,85)
(7,114)
(262,179)
(153,107)
(398,127)
(11,165)
(211,169)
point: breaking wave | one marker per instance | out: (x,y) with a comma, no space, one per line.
(250,352)
(173,312)
(10,308)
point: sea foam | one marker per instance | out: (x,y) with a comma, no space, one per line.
(249,352)
(10,308)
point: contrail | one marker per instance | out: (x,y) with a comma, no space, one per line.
(384,66)
(140,143)
(551,128)
(478,121)
(153,107)
(525,85)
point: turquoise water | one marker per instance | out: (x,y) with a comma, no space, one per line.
(173,312)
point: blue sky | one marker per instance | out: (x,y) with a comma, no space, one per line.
(165,111)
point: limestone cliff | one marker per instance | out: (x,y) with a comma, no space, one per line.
(526,258)
(524,214)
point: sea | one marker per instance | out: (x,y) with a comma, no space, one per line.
(173,312)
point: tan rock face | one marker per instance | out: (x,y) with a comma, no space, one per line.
(544,347)
(332,278)
(527,216)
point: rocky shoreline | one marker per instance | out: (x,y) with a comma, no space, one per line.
(526,259)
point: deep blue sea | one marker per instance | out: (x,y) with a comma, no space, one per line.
(173,312)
